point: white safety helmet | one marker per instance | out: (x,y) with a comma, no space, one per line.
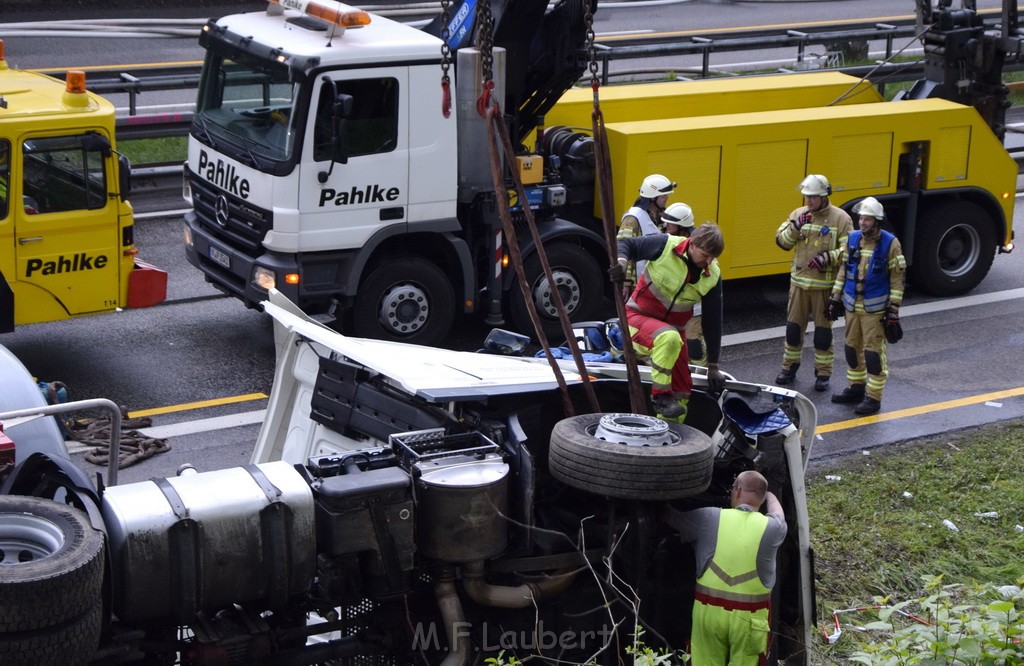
(870,207)
(815,185)
(655,186)
(679,214)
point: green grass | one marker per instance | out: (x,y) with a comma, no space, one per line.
(168,150)
(872,541)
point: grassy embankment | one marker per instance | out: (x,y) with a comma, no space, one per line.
(878,531)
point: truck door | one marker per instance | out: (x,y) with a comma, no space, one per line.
(66,232)
(370,190)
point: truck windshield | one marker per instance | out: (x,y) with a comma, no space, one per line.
(250,105)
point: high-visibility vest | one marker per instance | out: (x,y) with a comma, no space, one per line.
(731,579)
(666,287)
(874,288)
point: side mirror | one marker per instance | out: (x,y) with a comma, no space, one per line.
(124,176)
(340,113)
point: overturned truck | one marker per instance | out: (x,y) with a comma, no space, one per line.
(404,505)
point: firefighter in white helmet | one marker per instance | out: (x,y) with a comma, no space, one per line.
(677,220)
(642,218)
(817,233)
(869,290)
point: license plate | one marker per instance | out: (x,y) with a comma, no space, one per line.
(221,258)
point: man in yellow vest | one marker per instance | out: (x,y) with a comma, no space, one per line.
(679,273)
(735,552)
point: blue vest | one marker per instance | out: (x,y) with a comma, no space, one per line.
(875,287)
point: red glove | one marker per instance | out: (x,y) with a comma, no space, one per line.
(819,262)
(800,221)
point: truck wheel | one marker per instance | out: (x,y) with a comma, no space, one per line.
(407,299)
(51,564)
(630,456)
(67,644)
(579,281)
(954,250)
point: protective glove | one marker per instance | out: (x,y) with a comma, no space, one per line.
(801,220)
(833,310)
(617,273)
(716,380)
(819,262)
(891,325)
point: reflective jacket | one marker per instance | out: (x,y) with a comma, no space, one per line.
(826,234)
(647,226)
(666,286)
(731,580)
(869,272)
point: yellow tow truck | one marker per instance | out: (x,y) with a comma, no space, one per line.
(67,244)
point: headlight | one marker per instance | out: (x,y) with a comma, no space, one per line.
(188,236)
(264,278)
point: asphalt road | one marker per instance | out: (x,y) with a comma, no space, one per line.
(200,346)
(955,369)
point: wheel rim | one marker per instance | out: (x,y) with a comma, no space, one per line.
(959,250)
(634,430)
(404,309)
(25,538)
(568,288)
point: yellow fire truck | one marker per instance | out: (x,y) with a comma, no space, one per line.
(66,228)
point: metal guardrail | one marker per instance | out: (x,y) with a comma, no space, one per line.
(613,49)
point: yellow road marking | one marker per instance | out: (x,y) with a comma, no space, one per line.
(197,405)
(141,65)
(917,411)
(776,26)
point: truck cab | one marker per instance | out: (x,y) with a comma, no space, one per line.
(65,223)
(407,504)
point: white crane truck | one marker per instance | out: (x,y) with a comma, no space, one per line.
(322,161)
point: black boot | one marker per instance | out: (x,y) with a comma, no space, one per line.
(785,377)
(820,383)
(868,406)
(666,406)
(851,395)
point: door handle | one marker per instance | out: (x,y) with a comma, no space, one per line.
(33,239)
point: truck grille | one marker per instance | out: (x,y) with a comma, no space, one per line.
(246,225)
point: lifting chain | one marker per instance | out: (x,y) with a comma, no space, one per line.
(588,18)
(446,58)
(485,42)
(603,166)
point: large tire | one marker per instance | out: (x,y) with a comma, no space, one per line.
(678,464)
(580,283)
(954,249)
(51,564)
(67,644)
(406,299)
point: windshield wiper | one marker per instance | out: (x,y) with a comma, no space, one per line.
(199,124)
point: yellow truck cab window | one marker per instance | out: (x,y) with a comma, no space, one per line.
(62,175)
(371,127)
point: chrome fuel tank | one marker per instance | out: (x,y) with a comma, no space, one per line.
(205,541)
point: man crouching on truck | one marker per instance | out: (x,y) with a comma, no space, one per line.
(735,552)
(679,273)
